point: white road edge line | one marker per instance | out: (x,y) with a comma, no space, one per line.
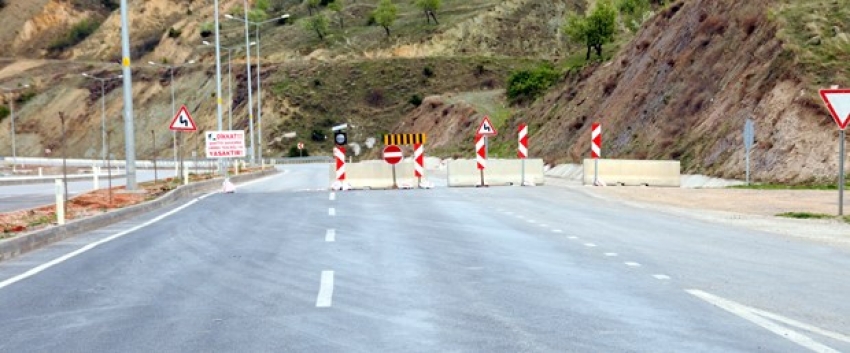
(661,277)
(753,315)
(330,236)
(38,269)
(265,178)
(332,197)
(326,290)
(331,211)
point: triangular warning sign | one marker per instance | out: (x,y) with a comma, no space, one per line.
(183,121)
(838,103)
(486,128)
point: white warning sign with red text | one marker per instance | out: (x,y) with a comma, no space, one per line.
(225,144)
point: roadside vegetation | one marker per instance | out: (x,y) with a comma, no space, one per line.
(810,215)
(802,186)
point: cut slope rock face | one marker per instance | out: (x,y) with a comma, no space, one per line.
(683,88)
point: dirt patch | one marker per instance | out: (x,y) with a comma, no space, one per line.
(752,209)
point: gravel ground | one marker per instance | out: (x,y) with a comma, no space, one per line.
(753,209)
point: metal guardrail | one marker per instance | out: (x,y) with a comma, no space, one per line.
(304,160)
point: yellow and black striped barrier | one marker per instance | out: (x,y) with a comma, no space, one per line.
(405,139)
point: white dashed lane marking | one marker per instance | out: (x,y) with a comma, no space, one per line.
(332,197)
(330,236)
(331,211)
(611,254)
(326,290)
(590,245)
(632,264)
(661,277)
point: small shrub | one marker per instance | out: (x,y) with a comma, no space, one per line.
(110,5)
(375,97)
(294,152)
(415,100)
(174,33)
(78,33)
(529,84)
(207,29)
(428,71)
(4,112)
(25,96)
(317,135)
(370,21)
(2,4)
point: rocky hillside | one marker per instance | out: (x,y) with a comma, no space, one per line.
(684,86)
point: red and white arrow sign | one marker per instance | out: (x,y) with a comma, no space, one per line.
(480,152)
(838,103)
(522,151)
(596,141)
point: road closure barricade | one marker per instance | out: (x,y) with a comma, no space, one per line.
(465,172)
(634,172)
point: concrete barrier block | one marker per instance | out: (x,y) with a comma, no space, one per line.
(375,174)
(634,172)
(464,172)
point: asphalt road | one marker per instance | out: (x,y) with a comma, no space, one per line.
(281,267)
(22,197)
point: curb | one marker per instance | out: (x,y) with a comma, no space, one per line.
(13,247)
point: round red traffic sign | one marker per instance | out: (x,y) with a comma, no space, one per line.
(392,154)
(300,146)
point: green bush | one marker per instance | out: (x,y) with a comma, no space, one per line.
(207,29)
(294,152)
(530,84)
(415,100)
(77,34)
(174,33)
(4,112)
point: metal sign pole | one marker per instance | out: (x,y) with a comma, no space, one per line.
(842,137)
(748,167)
(395,184)
(522,182)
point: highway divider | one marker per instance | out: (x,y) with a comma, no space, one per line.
(375,174)
(464,172)
(634,172)
(23,243)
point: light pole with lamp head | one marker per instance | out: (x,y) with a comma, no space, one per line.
(12,109)
(229,79)
(259,80)
(103,110)
(173,108)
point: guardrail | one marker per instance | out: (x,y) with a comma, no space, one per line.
(304,160)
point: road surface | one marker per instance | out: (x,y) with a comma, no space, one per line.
(22,197)
(284,265)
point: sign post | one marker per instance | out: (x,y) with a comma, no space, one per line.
(182,122)
(393,155)
(482,145)
(838,103)
(596,149)
(300,149)
(522,150)
(749,139)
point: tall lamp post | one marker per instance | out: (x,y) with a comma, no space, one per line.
(173,108)
(259,84)
(12,130)
(103,110)
(229,80)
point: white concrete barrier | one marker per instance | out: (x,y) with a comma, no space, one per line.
(634,172)
(375,174)
(464,172)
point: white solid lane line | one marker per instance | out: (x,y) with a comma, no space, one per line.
(331,211)
(326,290)
(661,277)
(332,197)
(36,270)
(632,264)
(759,318)
(330,236)
(611,254)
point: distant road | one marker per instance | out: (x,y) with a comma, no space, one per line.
(22,197)
(284,265)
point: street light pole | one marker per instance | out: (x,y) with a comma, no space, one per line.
(259,79)
(129,132)
(218,81)
(102,111)
(13,130)
(229,83)
(250,85)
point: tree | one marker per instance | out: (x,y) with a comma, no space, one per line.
(318,24)
(386,14)
(430,8)
(633,12)
(594,29)
(337,6)
(312,4)
(263,5)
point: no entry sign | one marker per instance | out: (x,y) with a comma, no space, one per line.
(392,154)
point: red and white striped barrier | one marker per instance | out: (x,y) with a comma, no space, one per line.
(419,160)
(596,141)
(339,155)
(522,150)
(480,152)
